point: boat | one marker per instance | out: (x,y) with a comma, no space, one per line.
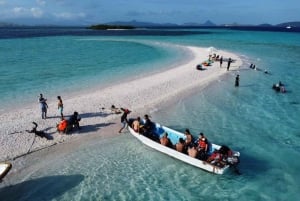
(288,27)
(4,169)
(158,131)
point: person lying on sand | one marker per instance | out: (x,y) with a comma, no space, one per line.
(41,134)
(115,110)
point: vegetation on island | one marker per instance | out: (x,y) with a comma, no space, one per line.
(107,26)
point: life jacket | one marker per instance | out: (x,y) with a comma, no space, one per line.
(202,144)
(62,125)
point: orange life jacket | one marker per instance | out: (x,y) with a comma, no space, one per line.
(202,144)
(62,125)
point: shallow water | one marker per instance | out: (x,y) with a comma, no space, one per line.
(253,119)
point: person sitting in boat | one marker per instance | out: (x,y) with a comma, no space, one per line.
(136,125)
(202,146)
(164,140)
(180,145)
(188,138)
(148,126)
(216,159)
(192,151)
(225,151)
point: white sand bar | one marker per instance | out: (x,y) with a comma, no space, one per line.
(140,96)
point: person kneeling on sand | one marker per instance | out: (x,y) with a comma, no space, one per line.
(73,121)
(62,126)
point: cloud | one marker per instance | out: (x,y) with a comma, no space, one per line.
(27,12)
(19,11)
(36,12)
(69,16)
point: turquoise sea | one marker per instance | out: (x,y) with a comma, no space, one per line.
(253,119)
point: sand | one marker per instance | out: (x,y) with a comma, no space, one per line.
(141,96)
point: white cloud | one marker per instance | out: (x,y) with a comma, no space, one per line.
(36,12)
(69,16)
(19,11)
(25,12)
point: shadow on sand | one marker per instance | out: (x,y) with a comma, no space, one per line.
(45,188)
(90,128)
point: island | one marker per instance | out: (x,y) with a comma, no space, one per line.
(109,27)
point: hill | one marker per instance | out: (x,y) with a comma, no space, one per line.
(292,24)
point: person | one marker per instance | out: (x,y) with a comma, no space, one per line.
(202,146)
(73,121)
(115,110)
(164,140)
(148,125)
(124,119)
(237,80)
(41,134)
(279,87)
(215,158)
(228,63)
(62,126)
(180,145)
(192,151)
(60,106)
(136,125)
(188,138)
(43,106)
(221,61)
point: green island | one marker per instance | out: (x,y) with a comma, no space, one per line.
(106,26)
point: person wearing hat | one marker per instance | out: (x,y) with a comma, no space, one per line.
(43,105)
(124,119)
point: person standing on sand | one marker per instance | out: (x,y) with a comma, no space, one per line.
(228,63)
(124,119)
(43,106)
(221,61)
(237,81)
(60,106)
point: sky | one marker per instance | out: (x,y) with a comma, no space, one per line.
(88,12)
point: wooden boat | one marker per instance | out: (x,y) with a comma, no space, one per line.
(4,169)
(159,130)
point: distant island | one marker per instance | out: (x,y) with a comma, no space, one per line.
(107,27)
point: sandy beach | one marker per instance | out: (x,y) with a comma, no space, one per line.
(141,96)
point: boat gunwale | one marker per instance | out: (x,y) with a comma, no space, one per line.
(178,155)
